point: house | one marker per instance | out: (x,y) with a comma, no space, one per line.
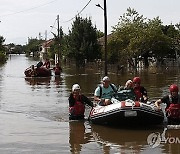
(44,48)
(101,39)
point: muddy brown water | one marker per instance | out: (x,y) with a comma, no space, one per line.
(34,113)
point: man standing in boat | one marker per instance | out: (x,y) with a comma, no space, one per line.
(172,102)
(140,91)
(104,92)
(77,103)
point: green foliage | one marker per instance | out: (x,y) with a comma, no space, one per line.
(99,34)
(173,32)
(33,46)
(60,44)
(126,33)
(2,40)
(55,47)
(82,41)
(15,49)
(2,57)
(2,50)
(136,36)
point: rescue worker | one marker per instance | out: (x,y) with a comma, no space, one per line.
(104,92)
(57,69)
(172,102)
(140,91)
(77,103)
(47,63)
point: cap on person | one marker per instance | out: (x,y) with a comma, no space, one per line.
(106,78)
(75,87)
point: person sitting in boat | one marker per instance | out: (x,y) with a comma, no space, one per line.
(172,102)
(47,63)
(128,85)
(140,91)
(77,103)
(127,90)
(39,64)
(33,71)
(104,92)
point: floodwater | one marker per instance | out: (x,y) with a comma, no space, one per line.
(34,113)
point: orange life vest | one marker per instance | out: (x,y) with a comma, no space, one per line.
(78,108)
(173,111)
(138,93)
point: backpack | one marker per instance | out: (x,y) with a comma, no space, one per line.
(113,88)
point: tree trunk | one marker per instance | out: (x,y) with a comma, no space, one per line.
(146,62)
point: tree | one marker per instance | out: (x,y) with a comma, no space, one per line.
(173,32)
(2,50)
(33,46)
(58,44)
(135,36)
(2,40)
(15,49)
(83,41)
(127,30)
(99,34)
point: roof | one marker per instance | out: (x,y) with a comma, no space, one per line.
(101,39)
(47,43)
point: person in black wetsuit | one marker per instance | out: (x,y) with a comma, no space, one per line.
(172,102)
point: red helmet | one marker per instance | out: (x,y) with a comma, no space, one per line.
(137,80)
(173,88)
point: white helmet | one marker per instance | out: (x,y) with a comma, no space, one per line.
(75,87)
(106,78)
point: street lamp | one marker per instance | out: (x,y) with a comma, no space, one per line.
(105,36)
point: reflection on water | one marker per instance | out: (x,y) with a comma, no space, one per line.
(121,140)
(78,136)
(38,81)
(34,112)
(84,136)
(172,141)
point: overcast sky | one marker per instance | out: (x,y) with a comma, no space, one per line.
(21,19)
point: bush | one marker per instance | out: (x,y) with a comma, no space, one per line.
(3,57)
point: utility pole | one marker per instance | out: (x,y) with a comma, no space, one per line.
(59,49)
(46,44)
(105,38)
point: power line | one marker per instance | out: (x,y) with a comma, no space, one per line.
(28,9)
(74,16)
(78,13)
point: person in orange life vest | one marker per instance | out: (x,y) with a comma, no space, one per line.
(172,105)
(57,69)
(47,63)
(104,92)
(77,103)
(140,91)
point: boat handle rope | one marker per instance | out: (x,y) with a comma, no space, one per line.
(132,102)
